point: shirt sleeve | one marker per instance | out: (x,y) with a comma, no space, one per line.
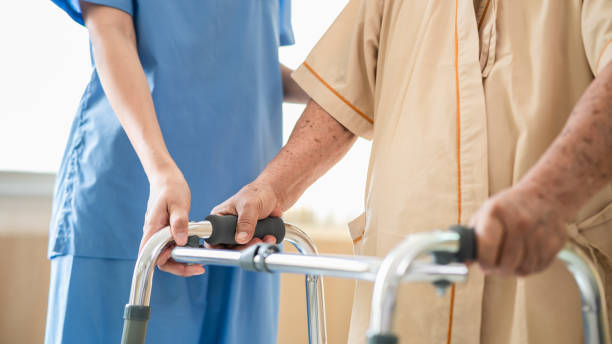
(73,9)
(284,21)
(340,72)
(597,33)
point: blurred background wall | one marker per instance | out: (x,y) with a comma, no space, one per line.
(44,67)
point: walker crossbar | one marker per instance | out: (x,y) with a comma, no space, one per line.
(261,258)
(351,267)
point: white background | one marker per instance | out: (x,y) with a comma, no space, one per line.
(45,65)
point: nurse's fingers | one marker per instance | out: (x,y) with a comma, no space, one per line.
(155,219)
(166,263)
(181,269)
(165,255)
(179,222)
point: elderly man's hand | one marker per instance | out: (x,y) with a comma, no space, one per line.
(253,202)
(519,231)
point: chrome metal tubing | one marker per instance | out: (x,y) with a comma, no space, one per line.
(360,268)
(342,266)
(594,312)
(397,264)
(140,292)
(315,299)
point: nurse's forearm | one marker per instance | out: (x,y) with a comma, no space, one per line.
(125,85)
(292,92)
(579,162)
(317,143)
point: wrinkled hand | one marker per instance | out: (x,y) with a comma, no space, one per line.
(169,202)
(519,231)
(253,202)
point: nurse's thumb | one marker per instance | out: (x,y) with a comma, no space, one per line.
(179,221)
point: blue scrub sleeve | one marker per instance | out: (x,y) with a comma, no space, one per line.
(73,8)
(284,18)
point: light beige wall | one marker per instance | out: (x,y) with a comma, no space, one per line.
(25,268)
(25,207)
(23,292)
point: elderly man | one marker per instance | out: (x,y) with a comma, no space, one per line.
(494,113)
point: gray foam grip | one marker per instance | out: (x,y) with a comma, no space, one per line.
(224,229)
(468,248)
(382,339)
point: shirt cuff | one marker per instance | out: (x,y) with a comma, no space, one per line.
(73,8)
(333,102)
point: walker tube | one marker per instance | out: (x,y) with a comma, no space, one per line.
(594,311)
(398,261)
(392,269)
(135,324)
(342,266)
(315,299)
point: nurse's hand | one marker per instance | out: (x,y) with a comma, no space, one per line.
(169,203)
(519,231)
(253,202)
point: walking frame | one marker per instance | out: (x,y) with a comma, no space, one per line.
(406,263)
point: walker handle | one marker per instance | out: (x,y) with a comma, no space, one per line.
(468,246)
(224,229)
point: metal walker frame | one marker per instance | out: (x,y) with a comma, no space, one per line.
(402,264)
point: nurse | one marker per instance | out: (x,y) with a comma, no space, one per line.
(182,108)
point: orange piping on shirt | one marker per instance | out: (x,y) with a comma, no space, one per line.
(450,314)
(316,75)
(601,55)
(484,14)
(458,116)
(357,239)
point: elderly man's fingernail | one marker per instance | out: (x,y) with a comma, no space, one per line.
(242,237)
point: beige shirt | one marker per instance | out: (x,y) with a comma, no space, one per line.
(460,99)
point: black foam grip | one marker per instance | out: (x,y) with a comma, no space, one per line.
(468,250)
(224,229)
(382,339)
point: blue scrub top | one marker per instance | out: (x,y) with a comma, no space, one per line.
(214,74)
